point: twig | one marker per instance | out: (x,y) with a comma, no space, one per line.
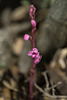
(46,79)
(53,90)
(53,86)
(40,89)
(51,97)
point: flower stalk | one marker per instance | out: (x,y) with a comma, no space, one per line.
(34,52)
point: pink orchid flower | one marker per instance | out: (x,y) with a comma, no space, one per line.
(35,54)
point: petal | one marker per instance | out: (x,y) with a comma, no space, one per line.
(40,57)
(37,54)
(36,60)
(35,50)
(30,53)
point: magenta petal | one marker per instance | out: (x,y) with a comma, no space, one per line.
(37,55)
(30,53)
(36,61)
(35,50)
(40,57)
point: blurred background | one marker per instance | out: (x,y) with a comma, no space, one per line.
(50,39)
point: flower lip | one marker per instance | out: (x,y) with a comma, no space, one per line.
(34,55)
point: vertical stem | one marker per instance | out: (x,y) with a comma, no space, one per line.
(32,69)
(31,80)
(33,65)
(33,42)
(31,85)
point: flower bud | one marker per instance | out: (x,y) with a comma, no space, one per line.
(33,23)
(32,11)
(26,37)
